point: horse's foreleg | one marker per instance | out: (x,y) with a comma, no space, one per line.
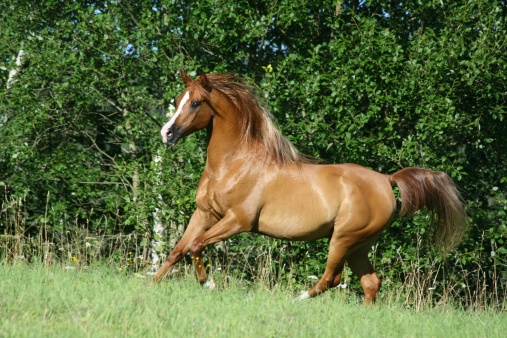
(225,228)
(199,267)
(174,257)
(198,224)
(362,268)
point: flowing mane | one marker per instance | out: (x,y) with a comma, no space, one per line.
(258,128)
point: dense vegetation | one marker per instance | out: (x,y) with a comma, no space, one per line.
(386,84)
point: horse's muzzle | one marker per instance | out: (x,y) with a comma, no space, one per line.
(172,137)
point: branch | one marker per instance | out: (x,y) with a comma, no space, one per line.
(124,110)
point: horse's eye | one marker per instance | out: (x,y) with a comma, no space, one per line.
(195,104)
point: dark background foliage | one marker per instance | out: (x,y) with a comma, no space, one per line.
(386,84)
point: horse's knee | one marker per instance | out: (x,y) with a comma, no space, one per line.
(195,248)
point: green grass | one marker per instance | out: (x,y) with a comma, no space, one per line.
(100,302)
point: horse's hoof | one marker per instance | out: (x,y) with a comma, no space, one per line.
(304,296)
(210,284)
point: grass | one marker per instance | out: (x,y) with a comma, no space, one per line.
(36,301)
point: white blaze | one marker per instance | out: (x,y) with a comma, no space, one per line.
(169,124)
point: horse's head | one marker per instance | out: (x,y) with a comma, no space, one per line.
(193,111)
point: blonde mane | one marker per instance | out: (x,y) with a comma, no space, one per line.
(257,122)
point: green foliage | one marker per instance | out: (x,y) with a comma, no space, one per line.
(385,84)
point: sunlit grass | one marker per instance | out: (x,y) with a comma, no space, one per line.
(101,302)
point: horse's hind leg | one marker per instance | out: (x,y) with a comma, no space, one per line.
(362,268)
(338,248)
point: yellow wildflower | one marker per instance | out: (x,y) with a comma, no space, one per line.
(268,68)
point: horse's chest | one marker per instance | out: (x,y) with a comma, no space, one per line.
(218,196)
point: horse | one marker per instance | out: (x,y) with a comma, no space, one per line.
(255,180)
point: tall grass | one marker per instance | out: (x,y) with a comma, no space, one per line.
(99,301)
(72,243)
(265,263)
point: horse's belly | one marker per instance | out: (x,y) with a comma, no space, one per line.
(300,205)
(298,223)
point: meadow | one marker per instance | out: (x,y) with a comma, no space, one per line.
(86,183)
(101,301)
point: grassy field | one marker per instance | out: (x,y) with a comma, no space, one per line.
(99,302)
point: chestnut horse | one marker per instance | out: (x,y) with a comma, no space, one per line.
(255,180)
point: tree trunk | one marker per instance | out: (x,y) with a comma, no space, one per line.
(15,71)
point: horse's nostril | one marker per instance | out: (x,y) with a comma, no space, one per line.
(170,135)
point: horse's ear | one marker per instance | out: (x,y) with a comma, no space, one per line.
(203,80)
(186,79)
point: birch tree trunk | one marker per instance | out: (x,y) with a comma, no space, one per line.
(13,72)
(158,227)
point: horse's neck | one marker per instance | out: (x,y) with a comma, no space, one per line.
(224,138)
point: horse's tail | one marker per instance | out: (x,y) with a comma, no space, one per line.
(434,190)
